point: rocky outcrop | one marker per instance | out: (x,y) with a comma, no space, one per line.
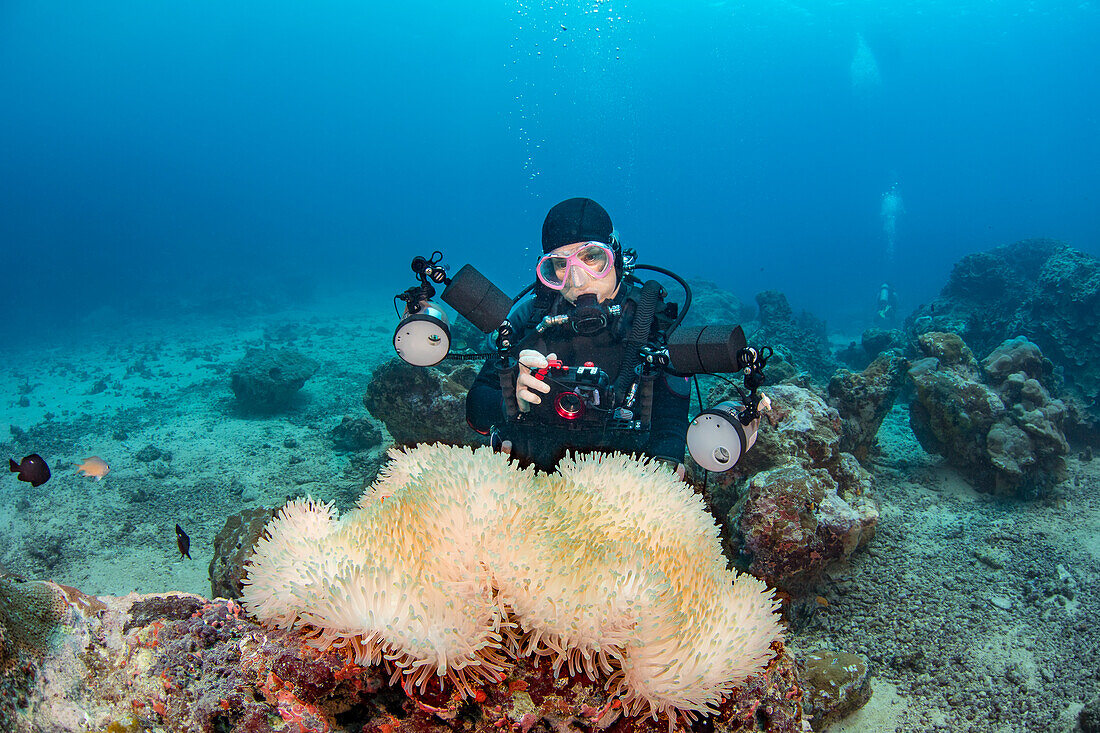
(796,522)
(181,662)
(233,547)
(1038,288)
(266,380)
(795,504)
(837,684)
(711,304)
(873,342)
(799,340)
(422,404)
(996,422)
(355,434)
(863,399)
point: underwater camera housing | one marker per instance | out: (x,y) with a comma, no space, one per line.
(579,396)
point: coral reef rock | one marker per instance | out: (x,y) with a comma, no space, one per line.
(457,561)
(179,662)
(863,398)
(266,380)
(795,504)
(356,434)
(798,340)
(1039,288)
(29,613)
(233,547)
(873,342)
(837,685)
(711,304)
(795,522)
(422,405)
(996,422)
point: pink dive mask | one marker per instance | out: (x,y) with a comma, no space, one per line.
(555,271)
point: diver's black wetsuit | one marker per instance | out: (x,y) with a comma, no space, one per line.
(544,444)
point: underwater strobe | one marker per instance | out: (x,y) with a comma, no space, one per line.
(423,336)
(718,437)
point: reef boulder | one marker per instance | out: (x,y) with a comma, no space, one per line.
(233,547)
(266,380)
(182,662)
(422,405)
(796,504)
(1042,289)
(795,522)
(863,398)
(798,340)
(996,422)
(837,684)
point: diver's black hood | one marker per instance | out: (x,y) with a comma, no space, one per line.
(576,220)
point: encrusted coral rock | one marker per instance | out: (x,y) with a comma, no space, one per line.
(795,504)
(1039,288)
(30,611)
(356,434)
(233,547)
(800,426)
(422,405)
(837,684)
(996,422)
(183,663)
(800,340)
(712,304)
(458,561)
(266,380)
(796,521)
(863,399)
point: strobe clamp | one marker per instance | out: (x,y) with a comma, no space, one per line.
(428,270)
(423,336)
(505,334)
(751,363)
(654,357)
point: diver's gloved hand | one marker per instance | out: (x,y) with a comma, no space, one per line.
(528,386)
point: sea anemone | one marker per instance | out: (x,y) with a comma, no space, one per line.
(456,559)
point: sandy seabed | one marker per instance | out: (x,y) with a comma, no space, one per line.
(976,612)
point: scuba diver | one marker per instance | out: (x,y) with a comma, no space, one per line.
(581,381)
(886,309)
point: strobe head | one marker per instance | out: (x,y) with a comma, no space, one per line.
(423,336)
(716,439)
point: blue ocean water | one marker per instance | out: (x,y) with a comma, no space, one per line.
(161,153)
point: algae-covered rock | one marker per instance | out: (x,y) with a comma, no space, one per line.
(795,522)
(837,684)
(1041,289)
(266,380)
(422,405)
(995,421)
(863,399)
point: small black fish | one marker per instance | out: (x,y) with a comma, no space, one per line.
(33,469)
(183,542)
